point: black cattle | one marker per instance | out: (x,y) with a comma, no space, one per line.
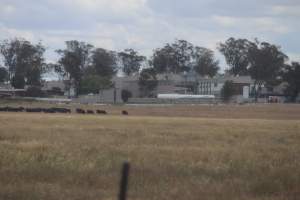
(124,112)
(34,110)
(3,109)
(10,109)
(80,111)
(48,110)
(90,112)
(62,110)
(101,112)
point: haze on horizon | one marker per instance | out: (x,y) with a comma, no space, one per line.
(148,24)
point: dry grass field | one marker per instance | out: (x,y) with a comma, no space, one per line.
(197,153)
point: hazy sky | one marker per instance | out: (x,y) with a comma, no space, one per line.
(148,24)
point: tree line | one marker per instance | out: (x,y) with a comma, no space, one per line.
(89,69)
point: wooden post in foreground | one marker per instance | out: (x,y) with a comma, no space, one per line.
(124,181)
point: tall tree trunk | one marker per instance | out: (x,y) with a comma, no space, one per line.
(257,86)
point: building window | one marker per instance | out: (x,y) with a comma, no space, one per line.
(216,84)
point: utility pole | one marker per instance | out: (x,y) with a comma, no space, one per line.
(124,181)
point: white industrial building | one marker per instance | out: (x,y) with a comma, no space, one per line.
(184,84)
(172,84)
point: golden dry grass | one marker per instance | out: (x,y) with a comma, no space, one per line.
(52,156)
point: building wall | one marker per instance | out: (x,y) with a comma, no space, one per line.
(163,87)
(131,86)
(171,101)
(180,84)
(214,85)
(207,87)
(168,84)
(109,96)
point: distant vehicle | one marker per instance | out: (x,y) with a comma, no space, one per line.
(184,96)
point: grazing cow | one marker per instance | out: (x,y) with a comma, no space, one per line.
(80,111)
(49,110)
(67,110)
(34,110)
(101,112)
(124,112)
(3,109)
(90,112)
(11,109)
(62,110)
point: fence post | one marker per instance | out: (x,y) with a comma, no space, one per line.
(124,181)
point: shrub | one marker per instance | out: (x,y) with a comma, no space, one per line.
(125,94)
(147,82)
(34,91)
(94,83)
(55,91)
(227,91)
(3,74)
